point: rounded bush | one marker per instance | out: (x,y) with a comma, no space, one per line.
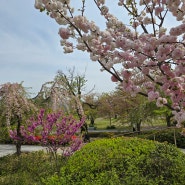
(128,161)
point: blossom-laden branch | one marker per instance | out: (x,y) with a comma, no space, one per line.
(15,101)
(144,46)
(54,131)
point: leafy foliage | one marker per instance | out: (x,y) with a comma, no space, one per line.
(27,169)
(4,135)
(119,161)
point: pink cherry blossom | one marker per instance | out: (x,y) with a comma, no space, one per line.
(64,33)
(143,45)
(153,95)
(161,101)
(114,79)
(158,10)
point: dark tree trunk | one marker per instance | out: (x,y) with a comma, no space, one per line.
(168,119)
(92,121)
(18,148)
(138,125)
(110,120)
(19,142)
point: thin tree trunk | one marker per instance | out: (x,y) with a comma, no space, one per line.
(168,120)
(174,136)
(81,114)
(19,142)
(139,126)
(18,148)
(110,120)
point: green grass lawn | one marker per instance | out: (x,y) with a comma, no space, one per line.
(103,123)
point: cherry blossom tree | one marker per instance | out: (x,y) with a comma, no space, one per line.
(16,106)
(66,92)
(144,46)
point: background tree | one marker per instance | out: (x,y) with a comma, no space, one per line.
(140,43)
(164,111)
(72,85)
(121,104)
(90,105)
(107,106)
(43,98)
(16,107)
(138,113)
(128,110)
(66,91)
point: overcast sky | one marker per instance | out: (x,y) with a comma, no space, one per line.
(30,49)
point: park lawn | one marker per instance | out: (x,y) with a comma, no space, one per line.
(103,123)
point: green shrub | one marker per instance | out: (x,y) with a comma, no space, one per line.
(111,127)
(129,161)
(4,136)
(27,169)
(102,134)
(167,136)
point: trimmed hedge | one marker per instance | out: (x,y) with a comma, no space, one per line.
(111,127)
(166,136)
(119,161)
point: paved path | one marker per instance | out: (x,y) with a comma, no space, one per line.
(10,149)
(183,150)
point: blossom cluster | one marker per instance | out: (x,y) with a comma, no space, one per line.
(54,131)
(152,56)
(15,99)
